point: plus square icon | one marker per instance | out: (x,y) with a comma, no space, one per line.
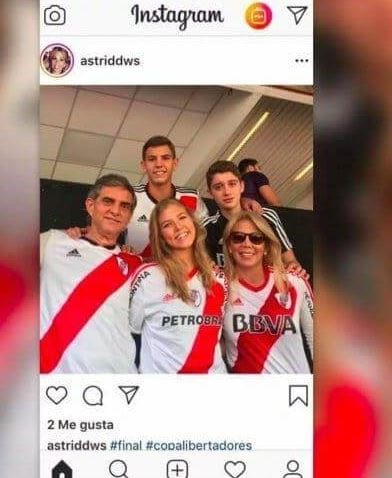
(177,469)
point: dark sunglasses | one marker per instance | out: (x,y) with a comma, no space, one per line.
(239,237)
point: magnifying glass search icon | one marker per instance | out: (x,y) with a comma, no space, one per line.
(118,469)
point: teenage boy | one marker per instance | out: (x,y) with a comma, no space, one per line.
(225,186)
(159,162)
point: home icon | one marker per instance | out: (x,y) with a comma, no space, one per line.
(62,470)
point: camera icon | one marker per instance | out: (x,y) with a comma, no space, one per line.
(54,15)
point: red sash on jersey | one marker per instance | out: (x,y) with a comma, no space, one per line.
(201,357)
(146,252)
(189,201)
(253,349)
(81,305)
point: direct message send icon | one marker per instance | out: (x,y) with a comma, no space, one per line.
(298,13)
(129,391)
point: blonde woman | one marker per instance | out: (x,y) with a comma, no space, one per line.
(269,318)
(58,61)
(177,302)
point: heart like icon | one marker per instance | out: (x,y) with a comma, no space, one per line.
(235,469)
(56,394)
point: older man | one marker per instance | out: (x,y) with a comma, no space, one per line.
(85,288)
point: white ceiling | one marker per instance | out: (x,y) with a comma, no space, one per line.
(89,131)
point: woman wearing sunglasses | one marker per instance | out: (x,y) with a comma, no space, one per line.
(269,319)
(177,303)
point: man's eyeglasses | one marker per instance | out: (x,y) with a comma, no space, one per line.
(255,238)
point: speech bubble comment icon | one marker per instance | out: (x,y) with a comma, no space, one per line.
(93,396)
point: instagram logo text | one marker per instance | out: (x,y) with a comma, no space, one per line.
(181,17)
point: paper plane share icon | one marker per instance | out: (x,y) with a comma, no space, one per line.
(129,391)
(298,13)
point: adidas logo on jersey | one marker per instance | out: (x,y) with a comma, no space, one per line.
(74,253)
(142,218)
(238,301)
(168,297)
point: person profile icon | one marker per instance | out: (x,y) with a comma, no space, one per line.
(292,467)
(57,60)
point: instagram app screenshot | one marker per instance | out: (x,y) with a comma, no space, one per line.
(176,304)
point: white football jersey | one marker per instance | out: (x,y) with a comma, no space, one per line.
(137,231)
(85,307)
(177,337)
(269,332)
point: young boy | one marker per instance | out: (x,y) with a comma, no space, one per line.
(225,186)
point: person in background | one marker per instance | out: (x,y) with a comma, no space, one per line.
(269,318)
(177,302)
(256,184)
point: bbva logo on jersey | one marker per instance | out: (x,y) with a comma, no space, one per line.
(261,324)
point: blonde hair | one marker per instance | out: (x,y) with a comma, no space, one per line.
(67,58)
(173,268)
(273,251)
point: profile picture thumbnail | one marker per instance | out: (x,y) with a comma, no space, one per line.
(57,60)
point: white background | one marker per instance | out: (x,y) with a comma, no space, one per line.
(189,61)
(215,53)
(173,408)
(92,17)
